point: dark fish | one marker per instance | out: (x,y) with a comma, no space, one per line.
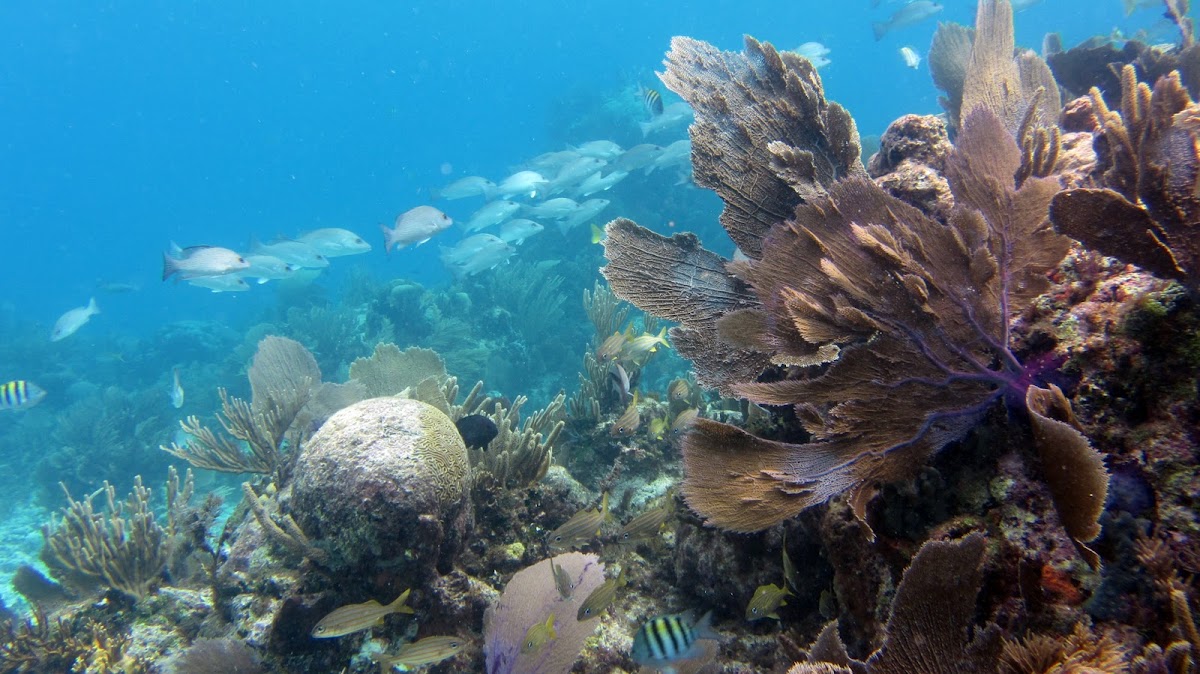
(562,580)
(477,431)
(652,100)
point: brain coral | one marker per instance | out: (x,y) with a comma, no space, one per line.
(385,480)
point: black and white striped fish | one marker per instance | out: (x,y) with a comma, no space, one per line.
(671,639)
(651,100)
(20,395)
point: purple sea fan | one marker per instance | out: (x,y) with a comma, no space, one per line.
(530,598)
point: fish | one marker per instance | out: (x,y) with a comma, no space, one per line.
(651,100)
(620,381)
(469,247)
(674,115)
(600,598)
(118,287)
(538,635)
(491,213)
(640,347)
(415,226)
(295,253)
(678,153)
(599,149)
(812,50)
(658,427)
(599,182)
(766,602)
(627,424)
(477,431)
(20,394)
(470,186)
(575,171)
(72,320)
(517,230)
(355,617)
(581,528)
(598,235)
(476,257)
(555,209)
(176,392)
(335,242)
(911,58)
(789,569)
(908,15)
(611,347)
(423,652)
(683,420)
(220,284)
(679,389)
(562,580)
(671,639)
(524,183)
(267,268)
(636,157)
(647,524)
(201,261)
(551,162)
(586,211)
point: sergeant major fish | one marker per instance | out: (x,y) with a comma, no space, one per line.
(581,528)
(20,394)
(72,320)
(355,617)
(671,639)
(415,226)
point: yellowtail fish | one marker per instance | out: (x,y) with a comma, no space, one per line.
(600,598)
(640,347)
(766,601)
(562,580)
(679,389)
(683,420)
(581,528)
(610,348)
(652,100)
(627,424)
(539,635)
(176,392)
(648,523)
(424,652)
(20,395)
(671,639)
(355,617)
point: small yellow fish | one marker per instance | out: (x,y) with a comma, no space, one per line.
(648,523)
(610,348)
(638,348)
(562,580)
(355,617)
(766,601)
(627,424)
(424,652)
(600,598)
(683,420)
(679,389)
(581,528)
(597,234)
(538,635)
(658,427)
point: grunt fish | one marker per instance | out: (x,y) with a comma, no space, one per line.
(176,392)
(671,639)
(355,617)
(679,389)
(295,253)
(424,652)
(415,226)
(539,635)
(562,580)
(627,424)
(610,348)
(201,261)
(229,283)
(581,528)
(20,395)
(658,427)
(684,419)
(766,602)
(600,598)
(647,524)
(643,345)
(72,320)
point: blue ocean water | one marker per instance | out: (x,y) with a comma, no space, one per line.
(130,125)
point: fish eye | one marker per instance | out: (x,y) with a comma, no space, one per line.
(454,644)
(587,611)
(241,259)
(320,628)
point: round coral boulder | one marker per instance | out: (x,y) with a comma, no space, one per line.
(385,483)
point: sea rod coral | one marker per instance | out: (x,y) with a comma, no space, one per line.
(887,330)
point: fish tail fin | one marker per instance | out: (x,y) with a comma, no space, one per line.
(880,29)
(170,266)
(388,242)
(647,127)
(92,308)
(398,606)
(704,629)
(597,234)
(550,627)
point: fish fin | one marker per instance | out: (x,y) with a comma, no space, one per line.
(550,627)
(398,606)
(880,29)
(388,243)
(170,266)
(423,240)
(703,628)
(92,308)
(262,281)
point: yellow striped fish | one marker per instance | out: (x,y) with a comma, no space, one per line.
(538,635)
(627,424)
(424,652)
(355,617)
(648,523)
(20,395)
(600,598)
(581,528)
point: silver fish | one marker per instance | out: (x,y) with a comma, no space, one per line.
(524,183)
(911,58)
(471,247)
(230,283)
(201,261)
(675,114)
(554,209)
(574,172)
(335,242)
(599,181)
(176,392)
(72,320)
(492,213)
(586,211)
(267,268)
(485,259)
(296,253)
(599,149)
(516,231)
(908,15)
(415,226)
(471,186)
(636,157)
